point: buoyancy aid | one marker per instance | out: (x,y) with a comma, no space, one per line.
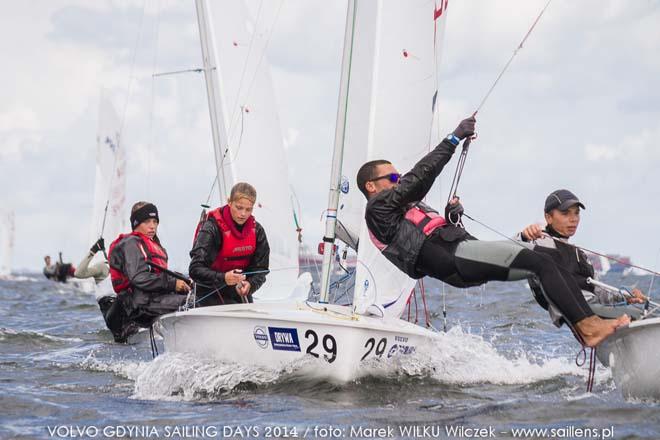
(422,216)
(420,220)
(238,247)
(150,249)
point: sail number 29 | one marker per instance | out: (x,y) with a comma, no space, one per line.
(380,347)
(329,345)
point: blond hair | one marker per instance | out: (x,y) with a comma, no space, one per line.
(243,190)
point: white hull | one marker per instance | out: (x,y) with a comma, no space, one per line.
(275,335)
(632,355)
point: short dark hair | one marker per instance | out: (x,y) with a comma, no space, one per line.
(367,172)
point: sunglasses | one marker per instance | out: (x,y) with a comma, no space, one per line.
(392,177)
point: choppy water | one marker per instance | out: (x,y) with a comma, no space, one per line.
(501,366)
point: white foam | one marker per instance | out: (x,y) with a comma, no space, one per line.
(463,358)
(176,376)
(124,368)
(458,357)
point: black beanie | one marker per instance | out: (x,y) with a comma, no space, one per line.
(145,213)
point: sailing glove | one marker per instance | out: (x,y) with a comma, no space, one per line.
(454,212)
(465,128)
(98,246)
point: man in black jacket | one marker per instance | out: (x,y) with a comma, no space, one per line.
(227,244)
(419,242)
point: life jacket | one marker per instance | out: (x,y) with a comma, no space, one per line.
(236,252)
(151,251)
(420,220)
(422,216)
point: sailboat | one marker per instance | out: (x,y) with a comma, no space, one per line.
(108,212)
(6,243)
(629,352)
(387,46)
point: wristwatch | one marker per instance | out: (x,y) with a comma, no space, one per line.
(453,139)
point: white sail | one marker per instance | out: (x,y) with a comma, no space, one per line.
(604,265)
(110,180)
(6,242)
(391,116)
(248,123)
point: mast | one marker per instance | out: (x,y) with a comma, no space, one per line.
(338,153)
(218,129)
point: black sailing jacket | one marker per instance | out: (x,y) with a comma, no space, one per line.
(385,213)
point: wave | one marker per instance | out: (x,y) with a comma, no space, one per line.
(456,358)
(33,337)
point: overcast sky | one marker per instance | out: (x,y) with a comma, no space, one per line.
(578,109)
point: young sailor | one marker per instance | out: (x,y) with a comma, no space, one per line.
(59,271)
(227,244)
(144,290)
(113,312)
(50,270)
(418,241)
(562,215)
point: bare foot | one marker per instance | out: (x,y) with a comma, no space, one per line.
(594,330)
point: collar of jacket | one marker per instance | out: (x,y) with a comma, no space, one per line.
(551,232)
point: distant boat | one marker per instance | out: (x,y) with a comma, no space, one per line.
(108,214)
(600,264)
(621,266)
(6,242)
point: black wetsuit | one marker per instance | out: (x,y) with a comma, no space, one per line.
(454,256)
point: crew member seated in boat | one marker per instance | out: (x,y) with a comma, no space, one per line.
(229,246)
(562,215)
(59,271)
(137,260)
(113,312)
(420,242)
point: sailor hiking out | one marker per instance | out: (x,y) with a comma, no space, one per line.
(420,242)
(113,312)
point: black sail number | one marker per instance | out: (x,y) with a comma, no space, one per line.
(329,345)
(315,342)
(371,343)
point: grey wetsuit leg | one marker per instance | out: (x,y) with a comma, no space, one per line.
(493,253)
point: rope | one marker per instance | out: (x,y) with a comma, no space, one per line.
(459,169)
(426,309)
(466,143)
(515,52)
(152,340)
(444,308)
(564,242)
(152,100)
(254,77)
(245,64)
(606,256)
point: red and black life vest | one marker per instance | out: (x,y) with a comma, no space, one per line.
(237,246)
(151,250)
(422,216)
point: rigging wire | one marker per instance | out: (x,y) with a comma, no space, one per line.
(234,106)
(566,243)
(123,117)
(515,52)
(152,101)
(256,70)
